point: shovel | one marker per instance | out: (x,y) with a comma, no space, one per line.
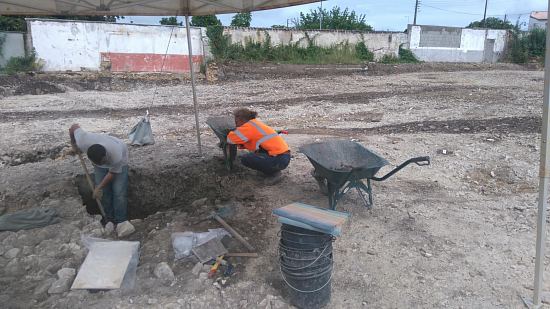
(89,179)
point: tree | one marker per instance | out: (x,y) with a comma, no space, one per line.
(170,21)
(205,21)
(241,20)
(333,19)
(492,23)
(18,23)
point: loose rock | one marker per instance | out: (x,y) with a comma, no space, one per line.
(164,272)
(196,269)
(12,253)
(199,202)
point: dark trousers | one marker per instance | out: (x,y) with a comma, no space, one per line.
(265,163)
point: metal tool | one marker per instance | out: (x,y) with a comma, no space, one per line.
(223,212)
(341,165)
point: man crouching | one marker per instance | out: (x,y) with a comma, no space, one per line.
(109,156)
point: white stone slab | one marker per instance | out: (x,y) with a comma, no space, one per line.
(106,265)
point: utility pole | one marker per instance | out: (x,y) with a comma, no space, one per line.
(321,16)
(485,14)
(415,11)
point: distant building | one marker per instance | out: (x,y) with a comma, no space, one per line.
(538,19)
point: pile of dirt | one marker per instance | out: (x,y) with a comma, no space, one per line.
(48,83)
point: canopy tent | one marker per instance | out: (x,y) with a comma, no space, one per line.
(206,7)
(140,7)
(146,8)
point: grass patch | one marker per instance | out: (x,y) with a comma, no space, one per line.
(27,63)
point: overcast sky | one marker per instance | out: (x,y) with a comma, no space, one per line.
(395,14)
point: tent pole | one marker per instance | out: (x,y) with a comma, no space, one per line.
(195,105)
(544,179)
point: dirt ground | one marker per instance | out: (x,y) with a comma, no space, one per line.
(459,233)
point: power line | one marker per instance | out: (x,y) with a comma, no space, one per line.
(466,13)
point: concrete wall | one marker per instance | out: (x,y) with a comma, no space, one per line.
(535,23)
(379,42)
(14,46)
(78,45)
(476,45)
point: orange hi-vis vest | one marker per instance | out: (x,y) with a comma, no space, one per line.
(255,134)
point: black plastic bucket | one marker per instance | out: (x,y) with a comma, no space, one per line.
(305,259)
(297,237)
(309,289)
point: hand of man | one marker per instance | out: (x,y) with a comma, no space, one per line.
(98,194)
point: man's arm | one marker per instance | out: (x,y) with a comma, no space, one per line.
(106,180)
(73,128)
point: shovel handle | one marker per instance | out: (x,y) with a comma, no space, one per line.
(233,232)
(89,180)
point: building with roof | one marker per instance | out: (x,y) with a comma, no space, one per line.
(538,19)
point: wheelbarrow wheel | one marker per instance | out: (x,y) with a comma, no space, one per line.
(322,182)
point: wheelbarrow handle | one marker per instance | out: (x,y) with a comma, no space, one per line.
(418,160)
(421,161)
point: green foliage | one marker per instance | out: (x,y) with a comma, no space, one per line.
(12,23)
(406,55)
(518,50)
(389,59)
(363,52)
(219,43)
(333,19)
(493,23)
(536,42)
(531,45)
(278,27)
(18,23)
(27,63)
(241,20)
(170,21)
(205,21)
(2,41)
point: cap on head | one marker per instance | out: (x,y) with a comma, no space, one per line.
(96,153)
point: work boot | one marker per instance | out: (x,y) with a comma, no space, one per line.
(109,228)
(124,229)
(273,179)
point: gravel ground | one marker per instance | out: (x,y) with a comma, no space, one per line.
(459,233)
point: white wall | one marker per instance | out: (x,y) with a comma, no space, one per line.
(379,42)
(535,23)
(472,46)
(77,45)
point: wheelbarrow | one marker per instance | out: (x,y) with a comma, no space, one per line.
(342,165)
(222,125)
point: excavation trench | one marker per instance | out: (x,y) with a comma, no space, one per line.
(173,187)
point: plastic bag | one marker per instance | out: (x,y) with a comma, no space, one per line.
(183,242)
(142,134)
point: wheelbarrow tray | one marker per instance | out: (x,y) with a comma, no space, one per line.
(341,165)
(222,125)
(340,161)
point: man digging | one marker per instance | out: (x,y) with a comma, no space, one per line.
(109,156)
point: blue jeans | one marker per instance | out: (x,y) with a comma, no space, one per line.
(265,163)
(115,194)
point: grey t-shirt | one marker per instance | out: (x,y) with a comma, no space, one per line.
(117,151)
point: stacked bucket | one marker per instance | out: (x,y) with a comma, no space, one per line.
(306,260)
